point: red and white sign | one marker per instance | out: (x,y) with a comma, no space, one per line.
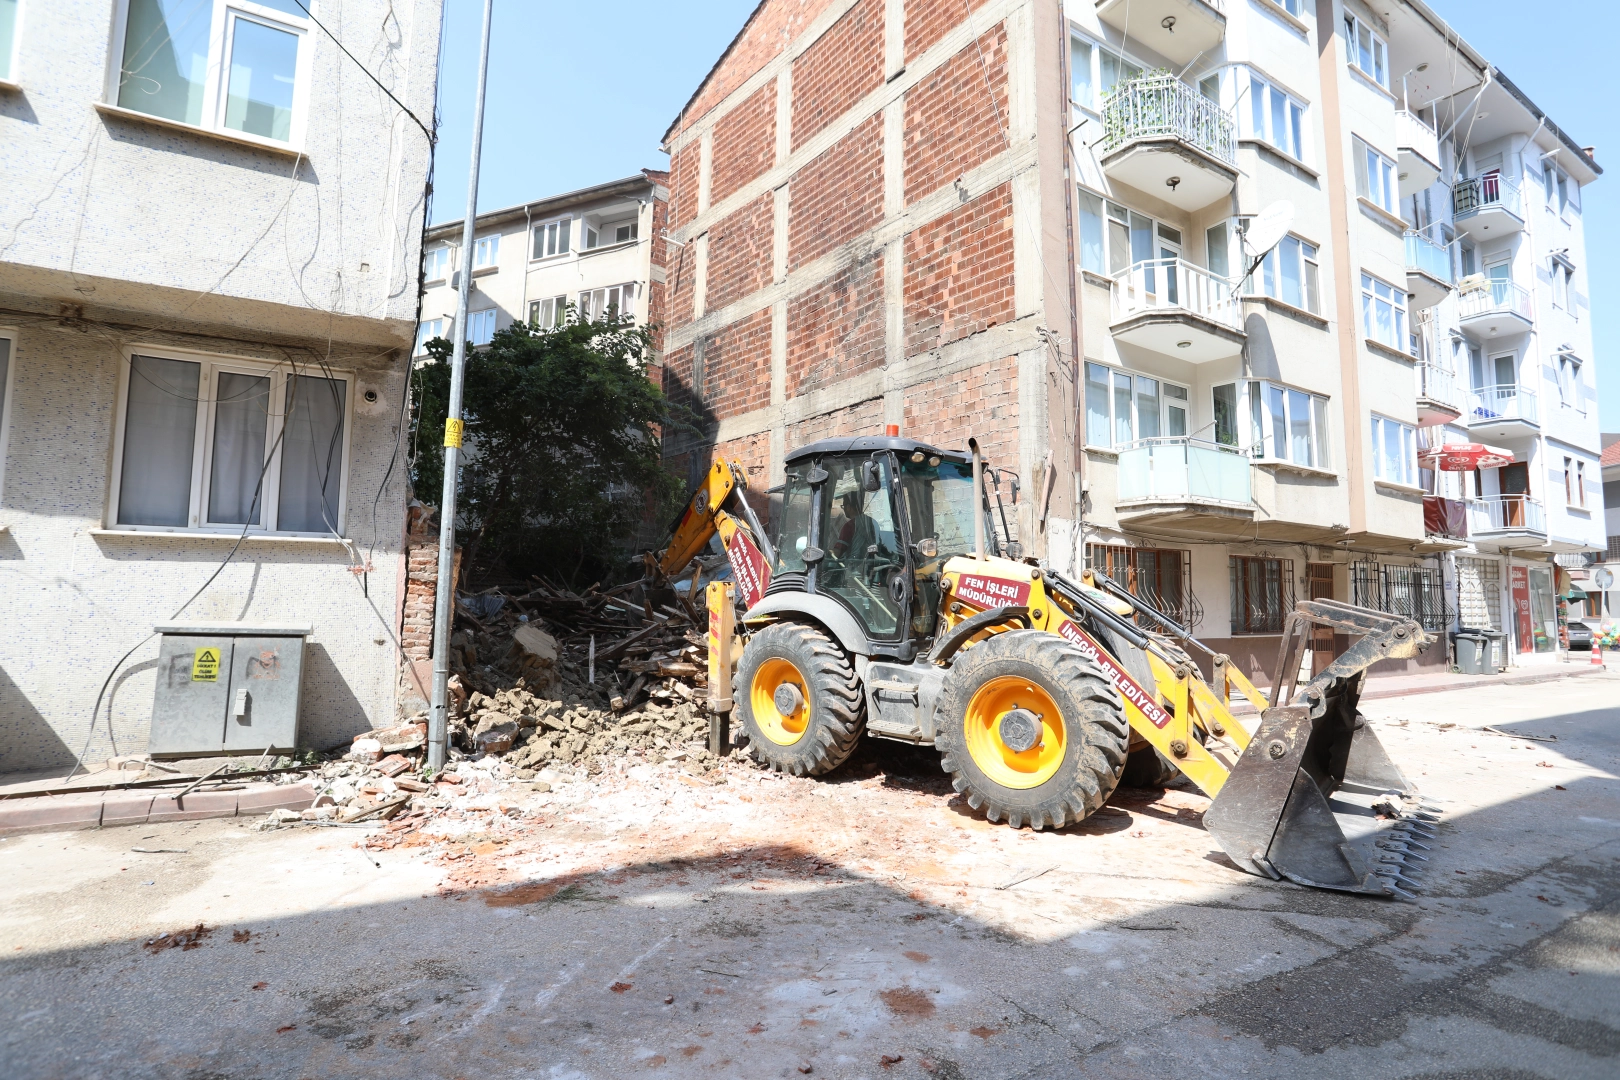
(988,592)
(1464,457)
(1128,687)
(748,569)
(1519,584)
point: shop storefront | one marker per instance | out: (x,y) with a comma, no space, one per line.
(1535,609)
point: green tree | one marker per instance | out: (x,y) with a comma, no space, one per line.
(563,455)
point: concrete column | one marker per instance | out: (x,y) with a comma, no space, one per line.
(784,114)
(894,38)
(705,168)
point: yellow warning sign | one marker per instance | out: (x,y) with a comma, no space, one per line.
(452,433)
(205,667)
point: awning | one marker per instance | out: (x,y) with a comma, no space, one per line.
(1464,457)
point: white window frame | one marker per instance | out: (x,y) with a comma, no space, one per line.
(1377,176)
(486,253)
(7,387)
(1254,400)
(564,233)
(427,330)
(1567,371)
(1396,300)
(8,77)
(438,263)
(608,296)
(478,321)
(222,26)
(202,445)
(1263,129)
(1406,466)
(1303,252)
(1165,400)
(548,312)
(1094,70)
(1353,28)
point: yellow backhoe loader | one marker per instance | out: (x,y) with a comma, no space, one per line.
(887,603)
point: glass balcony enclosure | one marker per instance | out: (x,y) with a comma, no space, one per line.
(1428,270)
(1170,470)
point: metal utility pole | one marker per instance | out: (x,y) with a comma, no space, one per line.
(445,598)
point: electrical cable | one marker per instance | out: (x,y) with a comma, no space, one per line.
(367,71)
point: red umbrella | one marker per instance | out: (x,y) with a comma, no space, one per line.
(1463,457)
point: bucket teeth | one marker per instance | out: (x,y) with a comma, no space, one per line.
(1389,873)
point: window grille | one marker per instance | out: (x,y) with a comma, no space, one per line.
(1159,577)
(1262,593)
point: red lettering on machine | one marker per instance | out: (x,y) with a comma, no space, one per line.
(988,592)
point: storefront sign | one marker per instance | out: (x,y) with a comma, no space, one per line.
(1519,581)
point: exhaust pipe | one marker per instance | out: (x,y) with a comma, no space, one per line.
(978,500)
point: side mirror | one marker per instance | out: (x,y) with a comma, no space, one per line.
(927,547)
(871,476)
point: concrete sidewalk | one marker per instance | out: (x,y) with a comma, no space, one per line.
(1399,686)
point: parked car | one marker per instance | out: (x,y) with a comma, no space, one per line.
(1580,637)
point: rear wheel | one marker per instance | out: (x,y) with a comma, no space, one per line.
(1031,730)
(799,699)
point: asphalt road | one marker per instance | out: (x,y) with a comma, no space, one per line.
(866,927)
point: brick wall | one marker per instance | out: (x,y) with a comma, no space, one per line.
(768,31)
(838,70)
(959,272)
(981,401)
(929,20)
(836,329)
(838,196)
(956,119)
(740,254)
(737,366)
(744,143)
(864,418)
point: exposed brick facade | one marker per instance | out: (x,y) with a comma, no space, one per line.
(959,272)
(740,254)
(737,366)
(955,120)
(845,65)
(768,31)
(929,20)
(838,196)
(744,143)
(863,418)
(981,401)
(836,329)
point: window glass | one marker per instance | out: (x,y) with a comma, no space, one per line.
(1080,73)
(1226,414)
(861,544)
(1299,429)
(436,264)
(1215,245)
(430,329)
(160,431)
(1116,69)
(8,37)
(1383,312)
(1291,285)
(263,70)
(1175,410)
(486,252)
(165,62)
(792,534)
(552,238)
(1277,436)
(1147,407)
(481,326)
(312,455)
(241,418)
(1319,412)
(1210,87)
(1122,409)
(1091,232)
(1097,406)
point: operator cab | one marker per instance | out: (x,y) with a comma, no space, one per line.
(869,521)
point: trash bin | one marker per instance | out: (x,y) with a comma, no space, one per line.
(1496,654)
(1470,647)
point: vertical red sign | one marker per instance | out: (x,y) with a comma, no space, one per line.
(1519,576)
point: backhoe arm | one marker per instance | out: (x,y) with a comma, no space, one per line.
(744,538)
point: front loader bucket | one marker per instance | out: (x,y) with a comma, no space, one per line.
(1314,798)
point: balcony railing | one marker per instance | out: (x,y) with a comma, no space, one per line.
(1502,402)
(1168,469)
(1492,297)
(1437,384)
(1413,133)
(1154,106)
(1426,256)
(1158,284)
(1501,513)
(1478,193)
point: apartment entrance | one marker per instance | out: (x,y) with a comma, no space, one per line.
(1319,586)
(1514,480)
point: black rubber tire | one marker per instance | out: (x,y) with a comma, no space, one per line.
(834,697)
(1093,716)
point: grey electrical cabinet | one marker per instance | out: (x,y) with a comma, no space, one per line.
(227,688)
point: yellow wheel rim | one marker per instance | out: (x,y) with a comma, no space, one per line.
(999,762)
(781,728)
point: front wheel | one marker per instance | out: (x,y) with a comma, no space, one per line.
(799,698)
(1031,730)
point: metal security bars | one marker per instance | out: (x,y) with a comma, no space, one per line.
(1414,592)
(1160,105)
(1262,593)
(1160,577)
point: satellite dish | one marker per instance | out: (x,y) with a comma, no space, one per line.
(1268,227)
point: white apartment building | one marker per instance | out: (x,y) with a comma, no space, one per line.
(590,250)
(209,257)
(1252,439)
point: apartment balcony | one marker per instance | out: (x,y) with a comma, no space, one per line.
(1513,518)
(1438,399)
(1185,485)
(1175,308)
(1177,30)
(1445,519)
(1487,309)
(1418,149)
(1502,412)
(1165,138)
(1486,207)
(1428,270)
